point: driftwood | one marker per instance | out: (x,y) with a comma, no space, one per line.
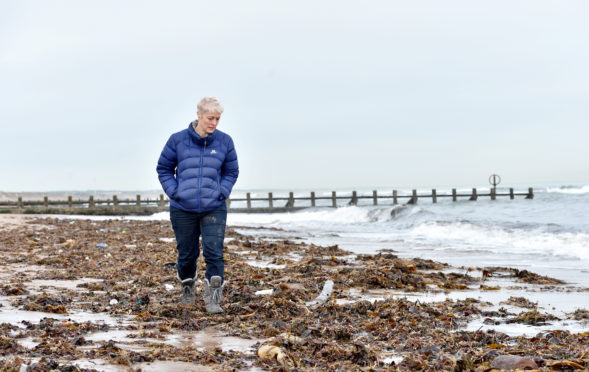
(323,296)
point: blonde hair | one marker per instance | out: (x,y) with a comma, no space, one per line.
(209,104)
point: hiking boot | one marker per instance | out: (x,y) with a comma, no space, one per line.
(187,292)
(213,294)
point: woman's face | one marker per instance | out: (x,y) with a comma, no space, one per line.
(207,122)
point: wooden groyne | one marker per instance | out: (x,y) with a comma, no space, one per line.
(269,203)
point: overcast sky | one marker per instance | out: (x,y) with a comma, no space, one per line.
(317,94)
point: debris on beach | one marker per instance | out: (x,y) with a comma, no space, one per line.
(44,303)
(16,289)
(533,317)
(511,362)
(520,302)
(523,276)
(275,353)
(323,296)
(580,314)
(305,307)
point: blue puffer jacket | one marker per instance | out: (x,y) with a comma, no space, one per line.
(197,173)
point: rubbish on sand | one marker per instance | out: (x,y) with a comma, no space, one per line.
(323,296)
(271,352)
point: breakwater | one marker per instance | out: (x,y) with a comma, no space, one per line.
(269,202)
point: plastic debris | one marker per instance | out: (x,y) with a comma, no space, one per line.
(323,296)
(271,352)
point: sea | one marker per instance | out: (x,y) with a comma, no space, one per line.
(548,234)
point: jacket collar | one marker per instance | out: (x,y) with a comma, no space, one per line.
(196,138)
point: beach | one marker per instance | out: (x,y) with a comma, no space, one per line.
(101,293)
(382,186)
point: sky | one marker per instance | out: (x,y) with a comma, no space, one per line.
(317,94)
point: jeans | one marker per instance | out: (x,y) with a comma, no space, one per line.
(188,227)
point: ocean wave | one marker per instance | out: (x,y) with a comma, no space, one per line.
(538,241)
(569,189)
(315,217)
(343,216)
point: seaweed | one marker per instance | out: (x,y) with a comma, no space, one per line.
(128,260)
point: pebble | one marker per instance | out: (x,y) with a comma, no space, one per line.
(511,362)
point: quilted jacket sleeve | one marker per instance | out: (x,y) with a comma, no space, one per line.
(166,168)
(229,170)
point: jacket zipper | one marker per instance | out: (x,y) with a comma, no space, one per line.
(199,198)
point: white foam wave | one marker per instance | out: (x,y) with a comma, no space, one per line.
(351,218)
(154,217)
(158,216)
(469,236)
(341,216)
(569,189)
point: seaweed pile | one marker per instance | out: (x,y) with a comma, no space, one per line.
(270,303)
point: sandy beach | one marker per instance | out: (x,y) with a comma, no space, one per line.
(102,295)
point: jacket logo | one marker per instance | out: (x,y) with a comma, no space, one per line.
(213,152)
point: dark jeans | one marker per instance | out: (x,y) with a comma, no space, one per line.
(188,227)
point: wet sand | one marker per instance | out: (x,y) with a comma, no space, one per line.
(98,295)
(11,221)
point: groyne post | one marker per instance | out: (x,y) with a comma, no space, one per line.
(413,199)
(91,202)
(45,201)
(354,200)
(115,201)
(312,198)
(434,196)
(69,201)
(270,201)
(290,202)
(162,202)
(374,197)
(474,195)
(395,201)
(511,196)
(248,198)
(333,200)
(493,193)
(454,197)
(530,193)
(138,200)
(19,202)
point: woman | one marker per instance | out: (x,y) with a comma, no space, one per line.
(197,169)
